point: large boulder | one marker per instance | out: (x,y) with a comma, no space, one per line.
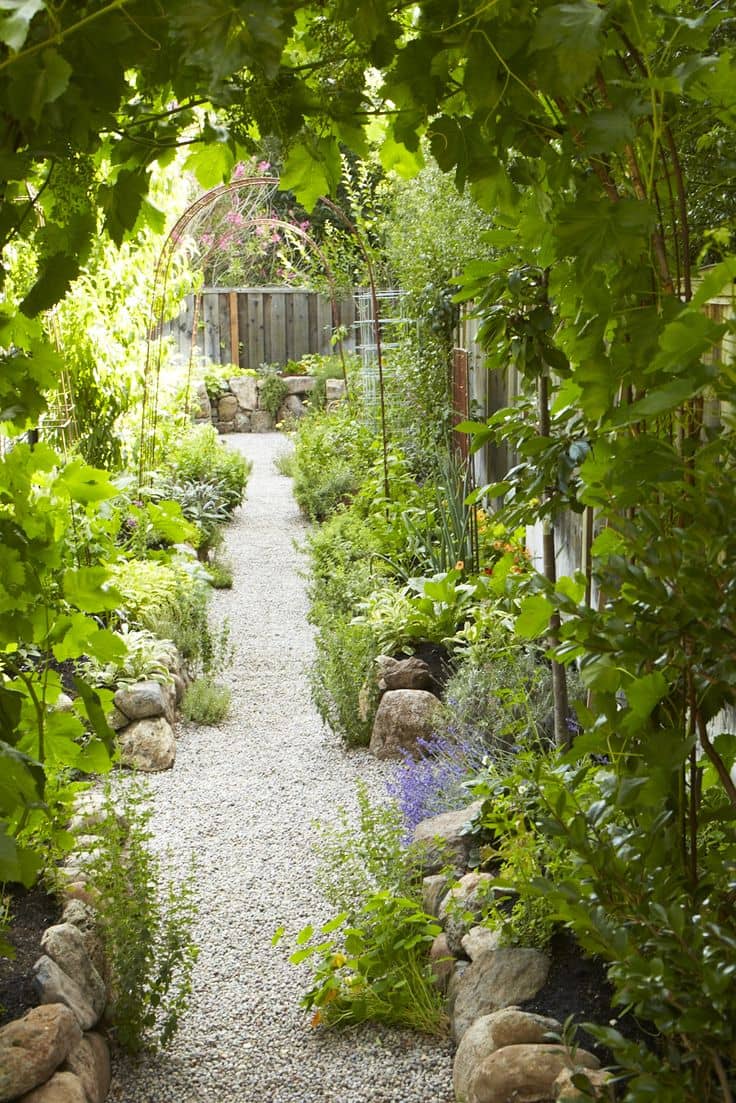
(500,978)
(246,392)
(335,389)
(524,1073)
(63,1087)
(404,716)
(412,673)
(600,1081)
(480,940)
(507,1027)
(54,986)
(145,699)
(445,839)
(90,1061)
(64,943)
(32,1048)
(148,745)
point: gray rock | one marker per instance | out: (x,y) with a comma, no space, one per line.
(91,812)
(434,890)
(63,1087)
(412,673)
(225,427)
(84,917)
(599,1080)
(246,392)
(335,389)
(300,384)
(117,720)
(90,1062)
(292,406)
(32,1048)
(403,717)
(54,986)
(142,700)
(63,703)
(524,1073)
(148,745)
(180,688)
(261,421)
(441,962)
(227,407)
(64,944)
(464,906)
(501,978)
(480,940)
(202,407)
(443,839)
(507,1027)
(241,423)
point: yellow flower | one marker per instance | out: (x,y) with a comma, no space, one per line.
(459,565)
(338,960)
(316,1018)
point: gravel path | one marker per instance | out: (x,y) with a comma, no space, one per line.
(242,798)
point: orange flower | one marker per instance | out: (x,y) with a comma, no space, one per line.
(316,1018)
(459,565)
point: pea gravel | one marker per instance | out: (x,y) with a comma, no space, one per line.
(242,799)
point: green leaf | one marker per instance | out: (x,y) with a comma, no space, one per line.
(304,934)
(716,282)
(570,587)
(57,274)
(278,934)
(86,484)
(312,169)
(302,955)
(22,780)
(333,924)
(89,589)
(211,164)
(533,620)
(644,693)
(570,35)
(14,26)
(96,713)
(607,543)
(395,157)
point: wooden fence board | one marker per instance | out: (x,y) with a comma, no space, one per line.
(255,330)
(277,328)
(211,317)
(226,354)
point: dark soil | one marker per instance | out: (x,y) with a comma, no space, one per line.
(577,986)
(31,912)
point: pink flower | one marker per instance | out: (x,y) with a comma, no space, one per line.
(207,240)
(235,218)
(263,166)
(239,171)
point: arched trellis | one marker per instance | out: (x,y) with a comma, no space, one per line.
(262,188)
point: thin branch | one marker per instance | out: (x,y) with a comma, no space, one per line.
(59,36)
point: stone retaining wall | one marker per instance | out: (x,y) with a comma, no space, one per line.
(239,409)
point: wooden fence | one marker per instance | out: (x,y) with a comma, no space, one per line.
(253,326)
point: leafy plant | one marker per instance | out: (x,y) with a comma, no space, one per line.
(202,458)
(221,572)
(206,701)
(145,924)
(146,657)
(272,392)
(376,968)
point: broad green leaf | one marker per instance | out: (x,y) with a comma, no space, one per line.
(644,693)
(607,543)
(533,620)
(570,587)
(601,674)
(86,484)
(715,282)
(169,520)
(211,164)
(278,934)
(89,589)
(395,157)
(71,636)
(57,274)
(14,26)
(96,709)
(333,924)
(569,38)
(22,780)
(312,169)
(304,934)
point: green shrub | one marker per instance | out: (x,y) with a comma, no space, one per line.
(201,457)
(206,701)
(150,587)
(221,572)
(343,666)
(285,464)
(271,393)
(145,924)
(333,454)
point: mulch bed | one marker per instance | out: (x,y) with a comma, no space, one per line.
(31,912)
(577,986)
